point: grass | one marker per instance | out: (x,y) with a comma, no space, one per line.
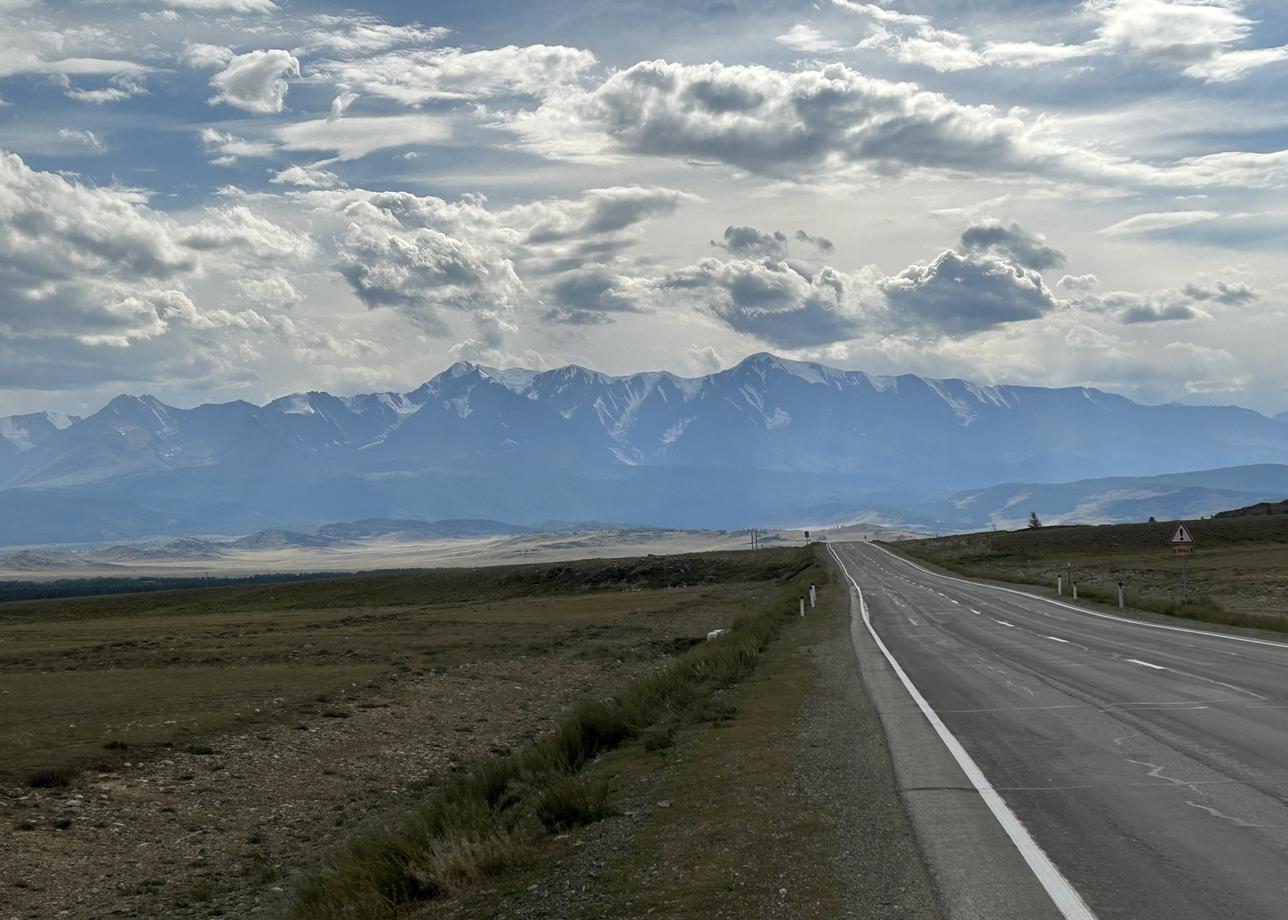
(496,816)
(1235,578)
(86,683)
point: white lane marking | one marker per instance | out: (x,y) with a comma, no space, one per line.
(1006,624)
(1058,639)
(976,612)
(953,601)
(1146,664)
(1090,613)
(1065,897)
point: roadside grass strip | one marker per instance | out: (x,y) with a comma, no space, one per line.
(499,814)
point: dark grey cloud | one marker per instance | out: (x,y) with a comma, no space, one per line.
(1230,293)
(1133,308)
(1012,242)
(769,300)
(961,294)
(821,243)
(748,242)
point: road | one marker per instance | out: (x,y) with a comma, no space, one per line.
(1145,769)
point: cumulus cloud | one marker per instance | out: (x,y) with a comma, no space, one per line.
(95,268)
(255,81)
(1012,242)
(831,121)
(423,272)
(963,293)
(307,177)
(769,300)
(1078,282)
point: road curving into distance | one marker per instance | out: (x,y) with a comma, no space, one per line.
(1061,764)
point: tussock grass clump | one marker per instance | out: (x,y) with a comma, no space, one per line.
(51,778)
(496,815)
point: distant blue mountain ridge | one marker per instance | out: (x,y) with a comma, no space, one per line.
(768,441)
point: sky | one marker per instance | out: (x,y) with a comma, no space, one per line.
(210,200)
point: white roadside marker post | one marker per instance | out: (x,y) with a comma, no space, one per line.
(813,597)
(1120,596)
(1075,590)
(1059,585)
(802,600)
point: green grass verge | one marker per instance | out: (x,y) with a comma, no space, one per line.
(1191,607)
(497,815)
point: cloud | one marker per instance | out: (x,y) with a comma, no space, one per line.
(223,6)
(120,86)
(1133,308)
(597,212)
(1229,293)
(204,56)
(1012,242)
(423,272)
(587,296)
(961,294)
(1196,36)
(831,122)
(352,138)
(748,242)
(768,300)
(821,243)
(809,40)
(1162,220)
(307,177)
(228,147)
(418,76)
(239,234)
(782,123)
(95,268)
(255,81)
(363,35)
(1078,282)
(85,138)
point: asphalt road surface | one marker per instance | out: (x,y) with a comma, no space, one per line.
(1061,764)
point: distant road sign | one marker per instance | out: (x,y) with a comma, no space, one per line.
(1182,536)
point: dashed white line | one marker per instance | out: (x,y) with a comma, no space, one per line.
(1006,624)
(1146,664)
(1058,639)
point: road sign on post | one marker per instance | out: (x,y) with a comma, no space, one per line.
(1182,541)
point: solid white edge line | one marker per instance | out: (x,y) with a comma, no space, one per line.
(1065,897)
(1091,613)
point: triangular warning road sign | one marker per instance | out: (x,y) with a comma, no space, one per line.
(1182,535)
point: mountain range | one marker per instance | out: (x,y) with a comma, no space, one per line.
(768,441)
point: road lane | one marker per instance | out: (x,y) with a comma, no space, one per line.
(1150,765)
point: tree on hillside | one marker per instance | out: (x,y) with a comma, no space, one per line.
(1034,521)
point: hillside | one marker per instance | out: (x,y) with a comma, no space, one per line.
(766,441)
